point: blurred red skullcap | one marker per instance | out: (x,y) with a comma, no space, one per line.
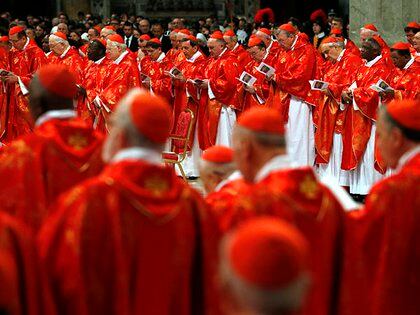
(4,39)
(218,154)
(156,41)
(254,41)
(229,33)
(265,31)
(405,112)
(145,37)
(151,115)
(268,252)
(184,31)
(336,31)
(97,28)
(401,46)
(217,35)
(262,119)
(288,28)
(192,38)
(58,79)
(414,25)
(318,14)
(332,40)
(60,35)
(115,38)
(370,27)
(16,29)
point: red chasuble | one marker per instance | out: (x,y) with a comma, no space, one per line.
(330,118)
(407,83)
(23,63)
(21,291)
(4,64)
(133,240)
(242,56)
(71,59)
(160,82)
(42,165)
(382,253)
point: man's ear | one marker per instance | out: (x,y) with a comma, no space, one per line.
(398,137)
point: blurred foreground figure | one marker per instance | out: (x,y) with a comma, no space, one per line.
(382,252)
(61,152)
(264,268)
(135,239)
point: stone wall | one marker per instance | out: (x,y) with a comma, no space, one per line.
(389,16)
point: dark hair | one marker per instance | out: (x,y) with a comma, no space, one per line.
(338,19)
(128,23)
(375,45)
(153,45)
(193,43)
(403,53)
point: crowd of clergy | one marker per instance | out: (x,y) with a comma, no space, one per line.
(307,148)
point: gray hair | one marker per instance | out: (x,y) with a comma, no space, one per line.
(264,138)
(220,169)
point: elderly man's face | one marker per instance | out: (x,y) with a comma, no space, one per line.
(144,26)
(409,34)
(63,28)
(285,40)
(18,43)
(215,47)
(257,53)
(56,47)
(416,42)
(113,51)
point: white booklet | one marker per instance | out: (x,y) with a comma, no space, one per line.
(174,72)
(318,85)
(247,78)
(381,86)
(265,69)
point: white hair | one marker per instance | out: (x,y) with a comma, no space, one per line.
(58,39)
(221,169)
(110,43)
(336,44)
(368,31)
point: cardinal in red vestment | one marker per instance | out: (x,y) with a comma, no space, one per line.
(136,239)
(25,59)
(175,54)
(290,193)
(273,47)
(23,290)
(264,268)
(220,82)
(331,117)
(65,54)
(371,31)
(4,64)
(255,94)
(382,253)
(349,45)
(236,49)
(222,183)
(359,128)
(122,74)
(61,152)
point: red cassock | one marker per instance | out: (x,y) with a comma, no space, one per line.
(358,123)
(222,73)
(242,56)
(295,67)
(134,240)
(248,100)
(160,82)
(71,59)
(175,56)
(23,63)
(93,74)
(295,195)
(42,165)
(382,252)
(119,79)
(351,47)
(4,64)
(407,81)
(330,118)
(189,95)
(22,291)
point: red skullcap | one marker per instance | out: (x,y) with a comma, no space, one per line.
(254,41)
(145,37)
(332,40)
(218,154)
(97,28)
(262,119)
(115,38)
(4,39)
(406,113)
(288,28)
(336,31)
(401,46)
(318,14)
(185,31)
(229,33)
(268,252)
(413,25)
(370,27)
(151,115)
(61,35)
(192,38)
(156,41)
(217,35)
(16,29)
(58,79)
(265,31)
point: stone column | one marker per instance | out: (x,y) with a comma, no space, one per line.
(101,7)
(71,7)
(390,17)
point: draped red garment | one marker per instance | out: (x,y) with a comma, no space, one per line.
(23,63)
(134,240)
(71,59)
(4,64)
(160,82)
(295,67)
(382,252)
(22,290)
(295,195)
(243,57)
(330,117)
(175,56)
(221,73)
(42,165)
(93,74)
(406,83)
(358,123)
(351,47)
